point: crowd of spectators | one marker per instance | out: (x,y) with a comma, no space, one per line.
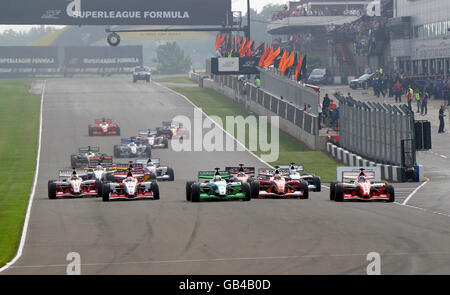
(362,32)
(302,11)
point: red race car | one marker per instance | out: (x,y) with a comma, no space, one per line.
(360,184)
(273,184)
(104,127)
(242,173)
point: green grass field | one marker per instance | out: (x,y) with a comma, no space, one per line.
(290,149)
(19,122)
(178,80)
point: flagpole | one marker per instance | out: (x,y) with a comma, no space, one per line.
(248,20)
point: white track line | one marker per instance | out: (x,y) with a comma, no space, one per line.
(33,190)
(237,259)
(218,125)
(414,192)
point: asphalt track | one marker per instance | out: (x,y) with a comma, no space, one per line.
(172,236)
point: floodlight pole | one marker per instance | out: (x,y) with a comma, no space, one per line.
(247,32)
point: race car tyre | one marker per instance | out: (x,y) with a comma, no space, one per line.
(98,187)
(148,151)
(106,190)
(118,131)
(339,196)
(195,193)
(73,161)
(110,177)
(116,151)
(391,192)
(90,131)
(254,189)
(332,190)
(171,174)
(317,183)
(52,190)
(155,190)
(249,180)
(189,190)
(148,79)
(166,143)
(304,188)
(246,191)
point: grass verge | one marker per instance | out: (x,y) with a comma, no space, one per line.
(19,122)
(178,80)
(291,150)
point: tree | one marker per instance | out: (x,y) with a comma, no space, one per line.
(259,22)
(170,59)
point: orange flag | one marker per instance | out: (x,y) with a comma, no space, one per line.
(289,62)
(269,61)
(263,57)
(283,61)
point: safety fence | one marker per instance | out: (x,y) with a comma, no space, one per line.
(376,131)
(287,110)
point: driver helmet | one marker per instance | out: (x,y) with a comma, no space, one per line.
(132,143)
(362,178)
(129,179)
(217,178)
(150,163)
(99,168)
(241,174)
(74,175)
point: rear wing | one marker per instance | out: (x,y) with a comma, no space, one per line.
(99,121)
(211,174)
(125,167)
(270,172)
(124,173)
(106,166)
(288,167)
(143,162)
(346,174)
(236,170)
(147,132)
(68,173)
(94,149)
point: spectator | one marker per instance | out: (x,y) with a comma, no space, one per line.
(418,99)
(258,82)
(424,103)
(441,119)
(319,111)
(398,89)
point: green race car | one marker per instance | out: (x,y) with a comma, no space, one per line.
(217,185)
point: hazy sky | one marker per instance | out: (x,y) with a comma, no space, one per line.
(237,5)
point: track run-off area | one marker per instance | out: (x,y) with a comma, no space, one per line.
(173,236)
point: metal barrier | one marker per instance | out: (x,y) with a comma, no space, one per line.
(285,109)
(374,131)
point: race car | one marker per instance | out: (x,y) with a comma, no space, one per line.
(104,127)
(271,183)
(241,173)
(360,184)
(72,185)
(130,149)
(217,186)
(153,166)
(132,187)
(173,130)
(295,172)
(142,73)
(89,155)
(154,139)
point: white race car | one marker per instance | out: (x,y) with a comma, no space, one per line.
(153,166)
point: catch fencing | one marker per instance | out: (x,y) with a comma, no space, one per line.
(375,131)
(278,85)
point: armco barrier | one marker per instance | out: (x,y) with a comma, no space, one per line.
(292,119)
(388,172)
